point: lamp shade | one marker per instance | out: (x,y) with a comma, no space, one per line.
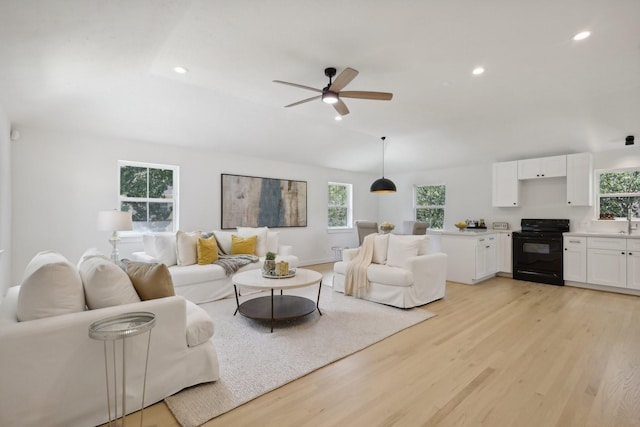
(114,221)
(383,185)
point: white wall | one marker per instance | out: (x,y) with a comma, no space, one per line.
(468,195)
(61,181)
(5,202)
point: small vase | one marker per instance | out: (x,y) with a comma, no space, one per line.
(269,266)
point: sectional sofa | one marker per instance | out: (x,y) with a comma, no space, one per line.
(204,283)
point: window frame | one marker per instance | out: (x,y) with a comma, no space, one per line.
(175,195)
(348,206)
(598,195)
(417,207)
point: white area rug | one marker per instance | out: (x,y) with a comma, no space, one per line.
(248,352)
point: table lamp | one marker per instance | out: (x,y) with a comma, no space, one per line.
(114,221)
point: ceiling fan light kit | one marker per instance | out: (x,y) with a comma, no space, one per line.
(332,93)
(383,185)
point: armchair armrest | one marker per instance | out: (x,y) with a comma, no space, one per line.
(429,274)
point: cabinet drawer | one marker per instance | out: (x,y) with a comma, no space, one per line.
(633,244)
(606,243)
(486,239)
(575,243)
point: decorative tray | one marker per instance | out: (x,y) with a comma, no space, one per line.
(292,272)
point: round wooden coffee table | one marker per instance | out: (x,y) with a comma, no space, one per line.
(277,307)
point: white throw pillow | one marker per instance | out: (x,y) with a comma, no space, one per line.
(400,249)
(105,284)
(162,247)
(51,286)
(224,240)
(272,241)
(187,247)
(261,241)
(380,248)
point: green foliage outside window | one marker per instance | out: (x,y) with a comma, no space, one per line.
(619,191)
(430,200)
(338,210)
(148,193)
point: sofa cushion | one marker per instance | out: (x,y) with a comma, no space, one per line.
(207,250)
(105,284)
(192,274)
(243,245)
(261,235)
(151,281)
(391,276)
(164,246)
(200,327)
(51,286)
(186,247)
(380,248)
(401,248)
(224,241)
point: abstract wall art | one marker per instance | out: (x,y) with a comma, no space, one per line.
(249,201)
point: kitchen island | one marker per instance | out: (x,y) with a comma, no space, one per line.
(472,255)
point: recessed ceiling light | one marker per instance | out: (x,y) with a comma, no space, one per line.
(338,118)
(477,71)
(582,35)
(180,70)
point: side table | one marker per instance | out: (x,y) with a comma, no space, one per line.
(110,331)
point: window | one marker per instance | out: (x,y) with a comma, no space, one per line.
(618,190)
(150,192)
(429,204)
(340,209)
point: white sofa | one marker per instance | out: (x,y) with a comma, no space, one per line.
(53,374)
(402,273)
(204,283)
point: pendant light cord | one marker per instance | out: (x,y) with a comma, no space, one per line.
(383,138)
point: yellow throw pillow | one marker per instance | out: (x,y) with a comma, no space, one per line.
(207,250)
(243,245)
(150,280)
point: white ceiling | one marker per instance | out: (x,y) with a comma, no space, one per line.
(105,67)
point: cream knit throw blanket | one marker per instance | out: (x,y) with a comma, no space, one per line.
(356,282)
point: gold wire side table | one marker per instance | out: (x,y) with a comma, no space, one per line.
(111,330)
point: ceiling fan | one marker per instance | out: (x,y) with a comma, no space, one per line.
(332,93)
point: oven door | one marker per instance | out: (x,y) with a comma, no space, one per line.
(538,258)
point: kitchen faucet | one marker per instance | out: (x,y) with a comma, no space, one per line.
(629,221)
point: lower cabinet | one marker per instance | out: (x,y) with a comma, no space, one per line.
(471,258)
(605,261)
(505,258)
(575,259)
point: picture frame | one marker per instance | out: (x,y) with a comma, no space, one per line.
(250,201)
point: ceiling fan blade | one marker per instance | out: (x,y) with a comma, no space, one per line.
(297,85)
(380,96)
(343,79)
(303,101)
(341,108)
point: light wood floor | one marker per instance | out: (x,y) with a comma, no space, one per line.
(501,353)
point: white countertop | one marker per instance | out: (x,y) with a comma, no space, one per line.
(457,232)
(634,235)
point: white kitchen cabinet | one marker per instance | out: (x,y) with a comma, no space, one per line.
(471,258)
(580,179)
(505,246)
(505,184)
(543,167)
(633,264)
(575,259)
(607,261)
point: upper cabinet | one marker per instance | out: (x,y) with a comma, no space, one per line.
(544,167)
(579,179)
(505,184)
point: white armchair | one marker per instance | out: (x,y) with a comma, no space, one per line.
(409,282)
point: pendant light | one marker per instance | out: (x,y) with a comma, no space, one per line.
(383,185)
